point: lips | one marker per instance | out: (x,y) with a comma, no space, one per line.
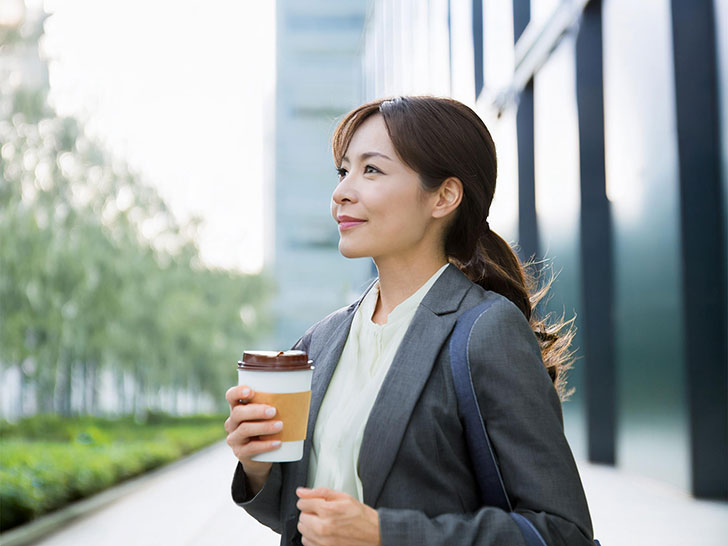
(348,222)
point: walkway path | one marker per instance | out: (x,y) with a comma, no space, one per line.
(190,505)
(629,509)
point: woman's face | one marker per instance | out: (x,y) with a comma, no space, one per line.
(379,203)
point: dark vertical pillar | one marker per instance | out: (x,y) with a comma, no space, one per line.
(478,46)
(521,17)
(596,243)
(703,244)
(527,225)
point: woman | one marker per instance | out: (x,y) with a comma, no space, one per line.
(385,461)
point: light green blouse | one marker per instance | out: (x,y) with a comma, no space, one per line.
(364,362)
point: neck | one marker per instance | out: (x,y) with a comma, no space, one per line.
(401,277)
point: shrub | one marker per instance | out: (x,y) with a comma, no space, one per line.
(49,462)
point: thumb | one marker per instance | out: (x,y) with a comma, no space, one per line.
(319,493)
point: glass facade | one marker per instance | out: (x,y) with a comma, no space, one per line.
(643,188)
(557,187)
(721,18)
(642,181)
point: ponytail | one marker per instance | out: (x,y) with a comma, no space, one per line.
(496,267)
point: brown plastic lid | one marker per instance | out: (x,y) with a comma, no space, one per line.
(272,361)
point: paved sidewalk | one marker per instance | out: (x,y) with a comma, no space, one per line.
(629,509)
(190,505)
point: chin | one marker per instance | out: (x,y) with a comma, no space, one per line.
(347,252)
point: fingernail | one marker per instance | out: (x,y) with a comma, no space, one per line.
(270,412)
(278,425)
(246,392)
(276,443)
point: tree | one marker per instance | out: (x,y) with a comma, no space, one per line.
(83,292)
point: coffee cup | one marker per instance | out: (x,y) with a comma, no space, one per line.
(282,380)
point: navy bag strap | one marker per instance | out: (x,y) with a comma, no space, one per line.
(492,491)
(490,482)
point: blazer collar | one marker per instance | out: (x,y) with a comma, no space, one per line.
(432,323)
(411,367)
(445,295)
(448,292)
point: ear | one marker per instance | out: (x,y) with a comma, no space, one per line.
(447,197)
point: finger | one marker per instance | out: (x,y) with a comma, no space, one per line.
(250,412)
(319,493)
(310,506)
(310,542)
(254,447)
(307,525)
(252,430)
(238,394)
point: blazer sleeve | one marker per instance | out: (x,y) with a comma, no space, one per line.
(523,417)
(266,505)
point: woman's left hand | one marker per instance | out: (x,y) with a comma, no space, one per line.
(330,517)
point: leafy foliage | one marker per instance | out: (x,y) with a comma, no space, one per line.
(96,273)
(47,462)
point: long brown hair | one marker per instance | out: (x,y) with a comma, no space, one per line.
(440,138)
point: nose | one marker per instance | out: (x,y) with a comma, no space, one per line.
(344,191)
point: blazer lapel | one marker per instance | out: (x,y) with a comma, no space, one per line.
(432,323)
(324,365)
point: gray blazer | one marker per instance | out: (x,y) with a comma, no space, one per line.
(414,463)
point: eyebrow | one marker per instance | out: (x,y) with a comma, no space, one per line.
(367,155)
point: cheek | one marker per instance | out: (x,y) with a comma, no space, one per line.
(403,215)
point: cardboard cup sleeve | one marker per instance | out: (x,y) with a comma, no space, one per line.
(291,408)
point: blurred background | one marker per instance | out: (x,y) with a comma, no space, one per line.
(166,177)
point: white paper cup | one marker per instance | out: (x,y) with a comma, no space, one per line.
(288,390)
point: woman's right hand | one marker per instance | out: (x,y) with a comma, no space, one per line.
(247,428)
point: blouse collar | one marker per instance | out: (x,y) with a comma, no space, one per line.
(401,311)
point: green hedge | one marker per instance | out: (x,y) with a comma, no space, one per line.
(48,461)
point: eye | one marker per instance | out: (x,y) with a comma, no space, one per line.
(373,169)
(341,171)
